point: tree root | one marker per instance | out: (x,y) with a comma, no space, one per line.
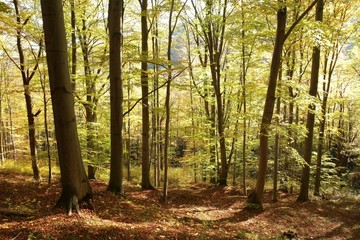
(13,213)
(73,204)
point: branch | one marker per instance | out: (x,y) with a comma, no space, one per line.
(11,59)
(37,113)
(299,19)
(166,82)
(357,71)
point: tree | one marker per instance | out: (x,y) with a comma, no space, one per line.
(116,95)
(308,148)
(171,30)
(27,75)
(339,38)
(257,196)
(145,177)
(75,185)
(212,31)
(93,61)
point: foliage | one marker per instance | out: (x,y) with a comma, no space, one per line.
(248,23)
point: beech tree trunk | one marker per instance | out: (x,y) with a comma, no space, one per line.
(145,178)
(257,196)
(308,147)
(74,182)
(116,95)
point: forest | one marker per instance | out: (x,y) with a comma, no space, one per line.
(179,119)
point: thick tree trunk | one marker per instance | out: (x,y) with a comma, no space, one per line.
(74,182)
(116,95)
(257,196)
(145,178)
(305,178)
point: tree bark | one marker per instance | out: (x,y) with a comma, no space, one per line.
(74,182)
(145,177)
(116,8)
(305,177)
(257,196)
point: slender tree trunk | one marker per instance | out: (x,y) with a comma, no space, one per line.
(2,159)
(74,182)
(276,145)
(43,87)
(324,107)
(11,136)
(305,178)
(73,46)
(128,131)
(321,132)
(115,14)
(156,155)
(26,77)
(244,92)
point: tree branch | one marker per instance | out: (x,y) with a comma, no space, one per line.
(162,85)
(299,19)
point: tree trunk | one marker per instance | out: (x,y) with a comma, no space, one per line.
(128,131)
(2,159)
(73,46)
(45,100)
(145,178)
(26,77)
(156,141)
(74,182)
(116,8)
(276,147)
(305,178)
(257,196)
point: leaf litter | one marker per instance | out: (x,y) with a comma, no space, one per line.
(196,212)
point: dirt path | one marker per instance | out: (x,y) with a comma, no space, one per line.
(198,212)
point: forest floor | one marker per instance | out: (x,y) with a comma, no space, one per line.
(196,212)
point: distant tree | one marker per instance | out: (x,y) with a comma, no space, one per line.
(74,182)
(115,17)
(212,18)
(171,28)
(339,39)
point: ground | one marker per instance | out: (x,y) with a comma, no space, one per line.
(197,212)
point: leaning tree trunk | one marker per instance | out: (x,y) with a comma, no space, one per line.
(257,196)
(74,182)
